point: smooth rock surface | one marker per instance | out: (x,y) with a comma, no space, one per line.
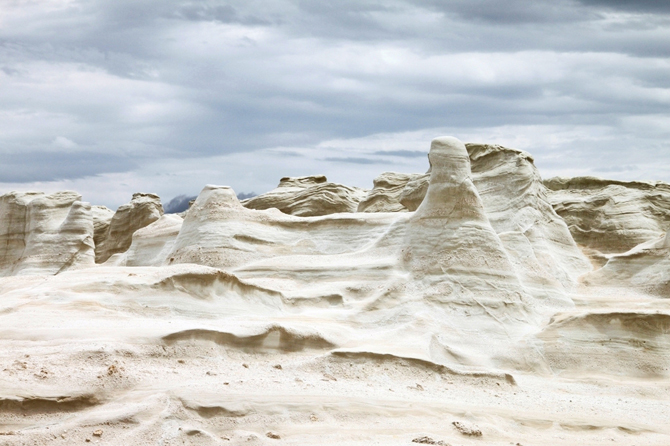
(142,210)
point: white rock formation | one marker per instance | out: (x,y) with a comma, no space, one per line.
(471,317)
(385,194)
(44,234)
(142,210)
(152,244)
(102,217)
(308,196)
(607,216)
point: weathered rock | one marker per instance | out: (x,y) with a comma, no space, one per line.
(44,234)
(142,210)
(608,216)
(152,244)
(536,239)
(308,196)
(643,268)
(414,192)
(102,217)
(385,194)
(449,233)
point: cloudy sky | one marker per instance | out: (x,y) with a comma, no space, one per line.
(111,97)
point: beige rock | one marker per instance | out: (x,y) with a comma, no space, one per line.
(44,234)
(102,217)
(414,192)
(607,216)
(142,210)
(308,196)
(385,194)
(346,328)
(152,244)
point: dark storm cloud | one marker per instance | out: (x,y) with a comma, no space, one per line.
(513,12)
(638,6)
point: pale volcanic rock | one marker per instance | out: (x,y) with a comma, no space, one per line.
(414,192)
(385,194)
(142,210)
(607,216)
(44,234)
(535,238)
(450,232)
(515,201)
(643,268)
(152,244)
(218,231)
(475,314)
(102,217)
(308,196)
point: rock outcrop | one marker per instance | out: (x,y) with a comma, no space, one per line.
(308,197)
(414,192)
(465,280)
(102,217)
(609,217)
(644,268)
(386,191)
(537,240)
(152,244)
(44,234)
(142,210)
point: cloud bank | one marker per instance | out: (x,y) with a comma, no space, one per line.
(110,97)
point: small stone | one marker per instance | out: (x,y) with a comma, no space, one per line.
(245,365)
(273,435)
(428,440)
(181,361)
(277,366)
(465,430)
(98,433)
(88,440)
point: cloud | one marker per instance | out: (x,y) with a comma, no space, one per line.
(353,160)
(32,167)
(142,90)
(401,153)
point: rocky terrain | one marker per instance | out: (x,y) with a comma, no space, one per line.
(473,304)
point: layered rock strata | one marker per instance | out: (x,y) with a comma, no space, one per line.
(308,197)
(142,210)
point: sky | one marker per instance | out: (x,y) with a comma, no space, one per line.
(111,97)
